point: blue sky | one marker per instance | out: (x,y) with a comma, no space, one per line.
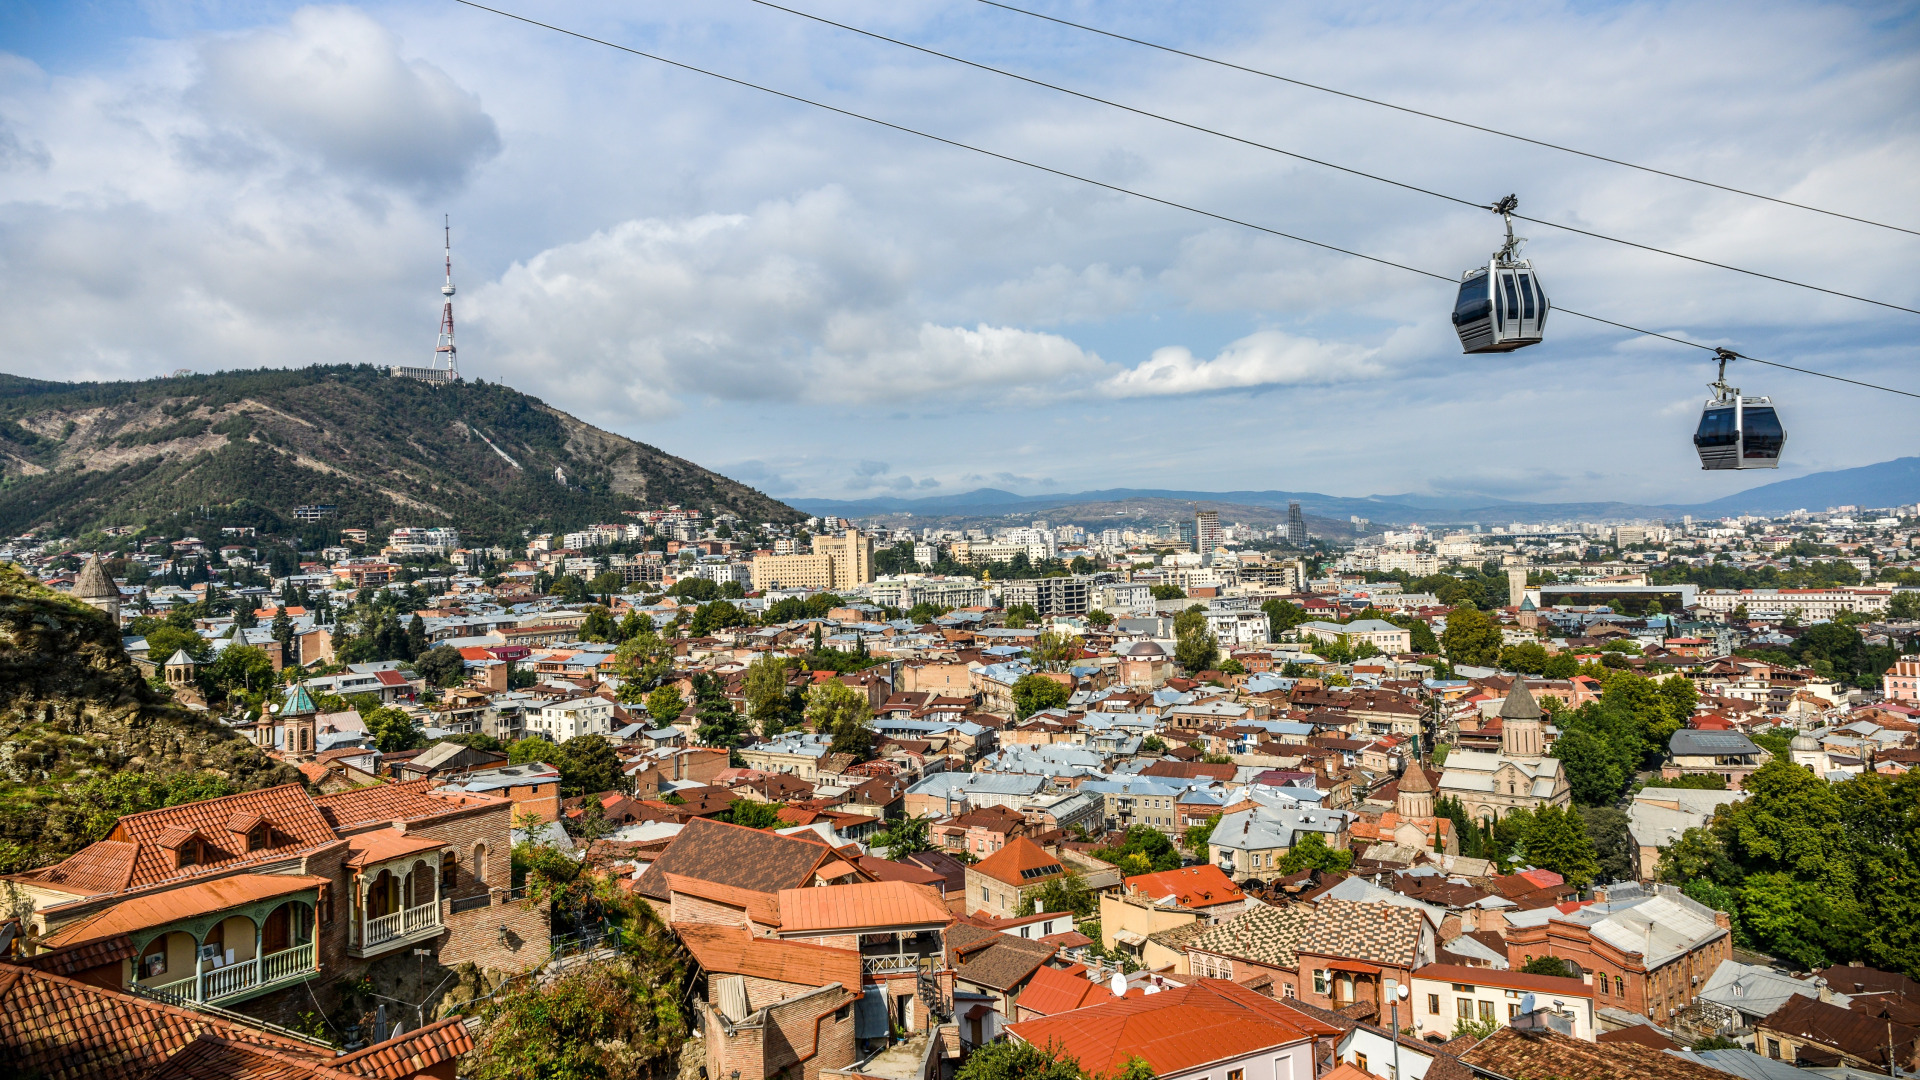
(824,308)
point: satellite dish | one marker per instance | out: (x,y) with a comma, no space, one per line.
(1119,984)
(1526,1004)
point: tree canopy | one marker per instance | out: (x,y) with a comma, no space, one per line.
(1470,637)
(1035,692)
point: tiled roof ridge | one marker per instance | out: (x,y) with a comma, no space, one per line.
(444,1040)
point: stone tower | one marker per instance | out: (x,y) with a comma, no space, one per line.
(95,588)
(1520,734)
(1416,793)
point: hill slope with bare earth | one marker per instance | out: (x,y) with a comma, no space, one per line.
(256,444)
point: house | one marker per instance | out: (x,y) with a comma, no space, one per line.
(758,990)
(569,718)
(980,832)
(246,899)
(1656,949)
(1349,950)
(897,928)
(1052,991)
(443,758)
(729,874)
(1811,1034)
(56,1026)
(1522,1052)
(997,884)
(992,968)
(1261,941)
(1727,754)
(1211,1030)
(1443,996)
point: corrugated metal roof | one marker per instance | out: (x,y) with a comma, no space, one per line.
(867,904)
(186,902)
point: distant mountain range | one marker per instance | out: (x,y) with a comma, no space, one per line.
(1889,483)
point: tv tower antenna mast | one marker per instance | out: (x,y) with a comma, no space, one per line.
(445,366)
(444,347)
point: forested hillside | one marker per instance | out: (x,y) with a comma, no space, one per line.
(247,447)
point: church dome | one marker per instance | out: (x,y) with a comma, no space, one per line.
(1803,741)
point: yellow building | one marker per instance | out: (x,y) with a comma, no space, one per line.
(837,562)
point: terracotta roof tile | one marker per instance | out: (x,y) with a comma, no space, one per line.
(410,800)
(409,1054)
(62,1029)
(860,906)
(139,857)
(1191,886)
(1374,933)
(730,950)
(1263,934)
(185,902)
(380,845)
(1511,1052)
(1174,1030)
(212,1058)
(1021,863)
(87,954)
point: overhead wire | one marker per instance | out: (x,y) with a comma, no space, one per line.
(1456,199)
(1450,120)
(1117,189)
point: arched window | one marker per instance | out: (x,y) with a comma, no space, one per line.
(1619,986)
(449,869)
(480,863)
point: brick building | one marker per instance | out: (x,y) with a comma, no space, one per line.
(1645,953)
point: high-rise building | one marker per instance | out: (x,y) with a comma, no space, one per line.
(1206,528)
(1296,525)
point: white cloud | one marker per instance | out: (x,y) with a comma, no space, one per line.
(334,84)
(1268,358)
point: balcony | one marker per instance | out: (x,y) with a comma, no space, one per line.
(888,955)
(244,979)
(384,932)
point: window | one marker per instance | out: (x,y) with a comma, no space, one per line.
(1619,986)
(983,894)
(259,838)
(1287,989)
(1360,1062)
(1464,1007)
(1236,1074)
(1319,980)
(1486,1010)
(1512,1011)
(449,869)
(1433,1004)
(1773,1049)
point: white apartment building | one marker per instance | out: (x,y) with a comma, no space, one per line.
(563,720)
(1239,629)
(1808,603)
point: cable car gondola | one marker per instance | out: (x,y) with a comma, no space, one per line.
(1738,432)
(1501,307)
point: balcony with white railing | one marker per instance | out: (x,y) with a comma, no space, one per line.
(245,977)
(403,927)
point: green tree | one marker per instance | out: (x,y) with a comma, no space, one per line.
(1012,1060)
(416,639)
(1168,592)
(1613,845)
(923,612)
(836,709)
(1310,852)
(1153,744)
(1054,652)
(715,722)
(1283,616)
(1528,658)
(1021,616)
(441,665)
(393,731)
(1068,892)
(1194,645)
(283,633)
(1099,619)
(665,705)
(588,766)
(1556,840)
(718,615)
(1470,637)
(640,663)
(240,669)
(1035,692)
(768,700)
(165,640)
(1904,605)
(750,814)
(599,625)
(1155,851)
(903,837)
(1547,965)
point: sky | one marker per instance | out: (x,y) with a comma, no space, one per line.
(826,308)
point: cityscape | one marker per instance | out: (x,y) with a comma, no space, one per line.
(874,577)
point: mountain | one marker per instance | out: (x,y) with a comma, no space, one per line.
(1889,483)
(247,447)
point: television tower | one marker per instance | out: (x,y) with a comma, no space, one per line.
(445,344)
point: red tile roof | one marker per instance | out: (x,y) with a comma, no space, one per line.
(380,845)
(730,950)
(1053,991)
(138,857)
(186,902)
(409,800)
(1174,1030)
(1191,886)
(1021,863)
(62,1029)
(409,1054)
(210,1057)
(866,904)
